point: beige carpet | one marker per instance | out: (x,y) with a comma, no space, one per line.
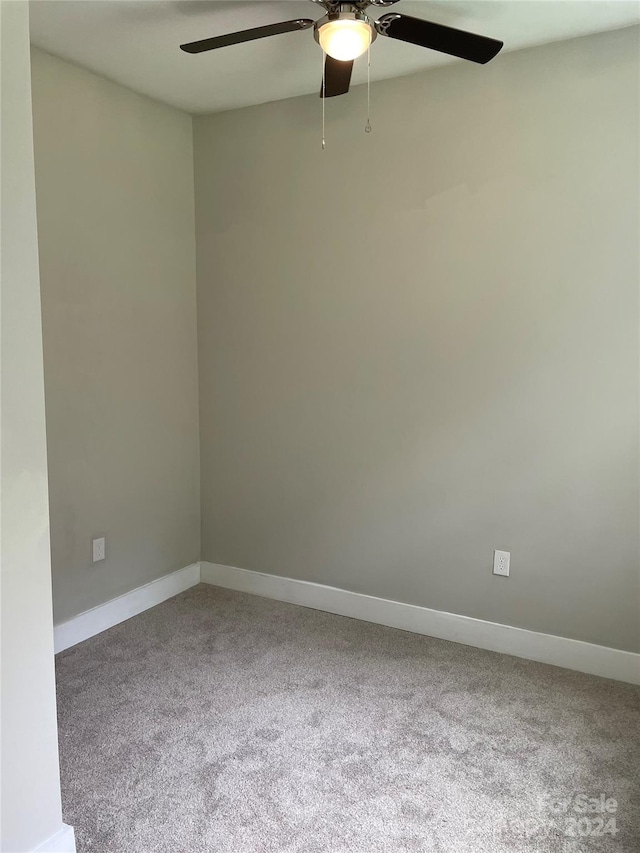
(227,723)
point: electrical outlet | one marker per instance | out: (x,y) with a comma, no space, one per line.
(98,549)
(501,563)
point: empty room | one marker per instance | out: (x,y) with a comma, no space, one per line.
(320,426)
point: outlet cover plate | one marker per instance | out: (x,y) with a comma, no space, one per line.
(98,549)
(501,563)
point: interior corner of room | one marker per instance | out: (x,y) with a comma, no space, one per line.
(375,414)
(269,383)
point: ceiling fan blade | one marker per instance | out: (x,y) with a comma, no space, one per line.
(438,37)
(247,35)
(337,77)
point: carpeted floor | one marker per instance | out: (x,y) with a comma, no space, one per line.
(227,723)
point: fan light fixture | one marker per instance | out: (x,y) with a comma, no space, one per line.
(345,37)
(345,33)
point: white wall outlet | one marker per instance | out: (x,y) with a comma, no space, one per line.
(501,563)
(98,549)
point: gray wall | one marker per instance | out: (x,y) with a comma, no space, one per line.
(30,809)
(422,344)
(114,174)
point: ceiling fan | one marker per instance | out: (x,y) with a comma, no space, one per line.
(345,32)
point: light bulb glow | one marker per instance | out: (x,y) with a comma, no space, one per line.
(345,39)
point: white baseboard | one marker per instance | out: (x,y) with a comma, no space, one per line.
(63,841)
(98,619)
(544,648)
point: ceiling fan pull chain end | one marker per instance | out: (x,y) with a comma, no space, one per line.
(324,86)
(367,127)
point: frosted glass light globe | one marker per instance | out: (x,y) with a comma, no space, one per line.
(345,39)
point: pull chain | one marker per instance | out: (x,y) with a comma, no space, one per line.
(324,79)
(367,127)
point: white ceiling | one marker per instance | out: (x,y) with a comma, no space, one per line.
(135,42)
